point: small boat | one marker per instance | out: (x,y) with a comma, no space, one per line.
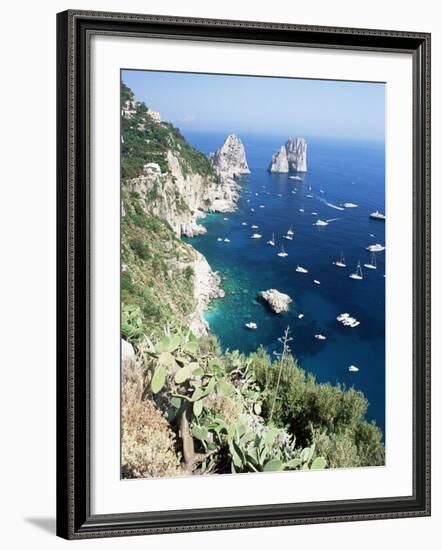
(376,215)
(290,231)
(256,236)
(262,206)
(349,205)
(352,368)
(244,223)
(225,219)
(254,226)
(256,194)
(272,240)
(309,196)
(347,321)
(320,337)
(252,210)
(219,239)
(375,248)
(226,240)
(294,192)
(320,223)
(301,316)
(316,282)
(313,213)
(341,262)
(309,187)
(373,264)
(300,269)
(279,195)
(251,326)
(322,191)
(295,178)
(288,237)
(357,275)
(301,209)
(283,253)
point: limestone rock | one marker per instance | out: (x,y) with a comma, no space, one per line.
(277,301)
(127,352)
(291,157)
(230,159)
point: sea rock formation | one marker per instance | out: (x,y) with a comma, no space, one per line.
(291,157)
(230,159)
(277,301)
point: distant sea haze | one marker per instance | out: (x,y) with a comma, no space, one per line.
(338,171)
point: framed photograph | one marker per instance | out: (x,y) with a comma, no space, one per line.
(243,274)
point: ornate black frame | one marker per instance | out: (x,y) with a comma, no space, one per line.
(74,30)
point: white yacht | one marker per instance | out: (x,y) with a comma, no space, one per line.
(301,316)
(347,321)
(244,223)
(352,368)
(288,237)
(349,205)
(309,196)
(300,269)
(373,264)
(301,209)
(320,337)
(290,231)
(316,282)
(254,226)
(256,236)
(251,326)
(295,178)
(313,213)
(320,223)
(376,215)
(283,253)
(226,240)
(219,239)
(225,219)
(357,275)
(375,248)
(252,210)
(262,206)
(341,262)
(272,240)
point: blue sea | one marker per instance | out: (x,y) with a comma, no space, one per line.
(345,171)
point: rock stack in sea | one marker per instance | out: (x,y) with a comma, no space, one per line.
(291,157)
(230,159)
(277,301)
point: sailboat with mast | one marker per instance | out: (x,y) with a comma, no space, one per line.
(357,275)
(283,253)
(341,262)
(272,240)
(373,264)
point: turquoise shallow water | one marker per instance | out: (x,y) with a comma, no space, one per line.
(346,172)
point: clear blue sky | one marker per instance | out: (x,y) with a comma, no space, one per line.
(263,105)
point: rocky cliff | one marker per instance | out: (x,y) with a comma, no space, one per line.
(166,186)
(291,157)
(230,160)
(181,197)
